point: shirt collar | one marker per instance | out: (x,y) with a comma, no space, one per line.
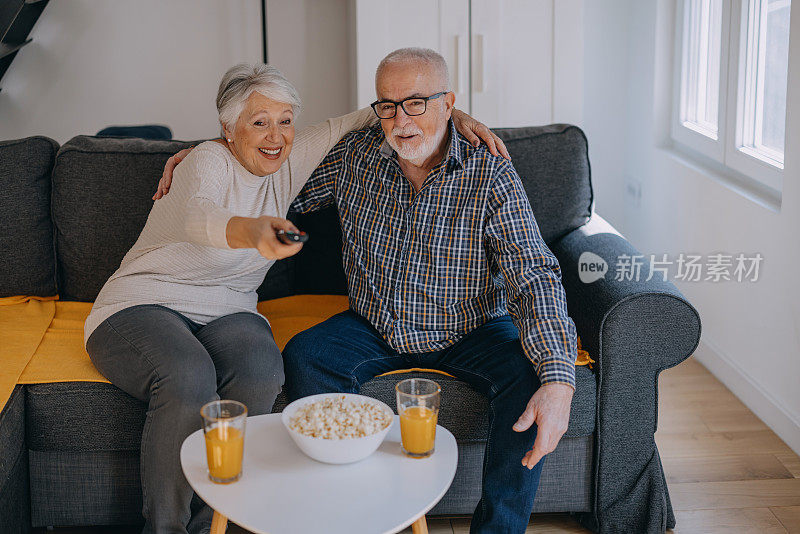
(455,152)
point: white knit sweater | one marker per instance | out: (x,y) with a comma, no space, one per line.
(182,259)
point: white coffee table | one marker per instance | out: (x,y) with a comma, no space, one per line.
(283,491)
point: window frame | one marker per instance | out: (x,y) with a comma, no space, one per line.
(685,135)
(745,160)
(724,151)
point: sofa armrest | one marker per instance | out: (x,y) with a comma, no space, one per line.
(634,329)
(608,310)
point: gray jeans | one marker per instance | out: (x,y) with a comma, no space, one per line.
(176,365)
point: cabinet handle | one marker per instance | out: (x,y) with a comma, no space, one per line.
(478,63)
(457,64)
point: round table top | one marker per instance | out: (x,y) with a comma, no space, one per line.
(284,491)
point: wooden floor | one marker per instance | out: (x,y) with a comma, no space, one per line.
(727,472)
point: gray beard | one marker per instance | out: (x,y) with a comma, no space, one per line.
(425,150)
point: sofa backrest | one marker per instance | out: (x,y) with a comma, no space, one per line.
(552,162)
(27,263)
(101,195)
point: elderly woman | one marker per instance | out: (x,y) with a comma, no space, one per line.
(176,325)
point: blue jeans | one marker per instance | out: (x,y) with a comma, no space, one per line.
(346,351)
(176,365)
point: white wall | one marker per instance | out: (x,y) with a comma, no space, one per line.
(309,42)
(606,35)
(751,331)
(95,63)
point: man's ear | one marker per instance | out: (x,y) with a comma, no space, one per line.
(449,102)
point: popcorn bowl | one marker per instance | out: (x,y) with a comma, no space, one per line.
(336,451)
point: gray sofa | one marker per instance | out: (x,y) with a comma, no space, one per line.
(70,213)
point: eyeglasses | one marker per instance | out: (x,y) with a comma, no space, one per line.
(416,105)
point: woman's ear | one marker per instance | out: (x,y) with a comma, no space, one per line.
(227,134)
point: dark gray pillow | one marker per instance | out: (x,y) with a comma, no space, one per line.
(27,264)
(553,163)
(102,195)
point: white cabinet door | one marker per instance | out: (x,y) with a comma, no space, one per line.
(500,53)
(512,62)
(385,25)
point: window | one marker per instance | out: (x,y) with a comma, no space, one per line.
(700,67)
(763,74)
(731,80)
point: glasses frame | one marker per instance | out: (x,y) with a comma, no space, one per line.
(402,104)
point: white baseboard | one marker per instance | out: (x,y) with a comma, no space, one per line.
(760,401)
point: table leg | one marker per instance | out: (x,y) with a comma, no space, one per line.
(220,523)
(420,526)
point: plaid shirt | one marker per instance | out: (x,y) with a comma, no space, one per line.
(426,268)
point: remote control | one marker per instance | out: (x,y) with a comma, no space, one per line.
(291,238)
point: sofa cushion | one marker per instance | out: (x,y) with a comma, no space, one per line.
(102,195)
(111,494)
(553,163)
(565,484)
(110,419)
(80,488)
(94,229)
(27,265)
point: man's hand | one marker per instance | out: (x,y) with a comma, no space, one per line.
(261,234)
(166,177)
(549,409)
(475,132)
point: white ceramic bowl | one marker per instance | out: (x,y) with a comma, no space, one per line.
(336,451)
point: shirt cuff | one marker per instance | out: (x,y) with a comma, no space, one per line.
(556,371)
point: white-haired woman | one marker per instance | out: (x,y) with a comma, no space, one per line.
(176,325)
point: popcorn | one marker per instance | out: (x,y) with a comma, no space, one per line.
(336,418)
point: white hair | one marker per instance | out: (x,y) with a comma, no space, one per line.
(243,80)
(417,55)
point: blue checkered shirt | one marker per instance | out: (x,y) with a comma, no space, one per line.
(426,268)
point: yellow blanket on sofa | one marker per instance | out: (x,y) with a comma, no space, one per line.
(41,339)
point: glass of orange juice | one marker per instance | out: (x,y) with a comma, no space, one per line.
(418,405)
(223,427)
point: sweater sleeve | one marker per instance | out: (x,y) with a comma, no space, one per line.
(206,219)
(314,142)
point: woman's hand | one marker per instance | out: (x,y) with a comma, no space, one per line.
(166,177)
(261,234)
(475,132)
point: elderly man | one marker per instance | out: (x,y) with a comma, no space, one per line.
(446,269)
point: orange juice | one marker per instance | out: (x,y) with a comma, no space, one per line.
(224,450)
(418,430)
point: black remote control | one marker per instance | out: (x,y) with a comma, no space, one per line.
(290,238)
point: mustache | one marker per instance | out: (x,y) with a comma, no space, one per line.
(407,130)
